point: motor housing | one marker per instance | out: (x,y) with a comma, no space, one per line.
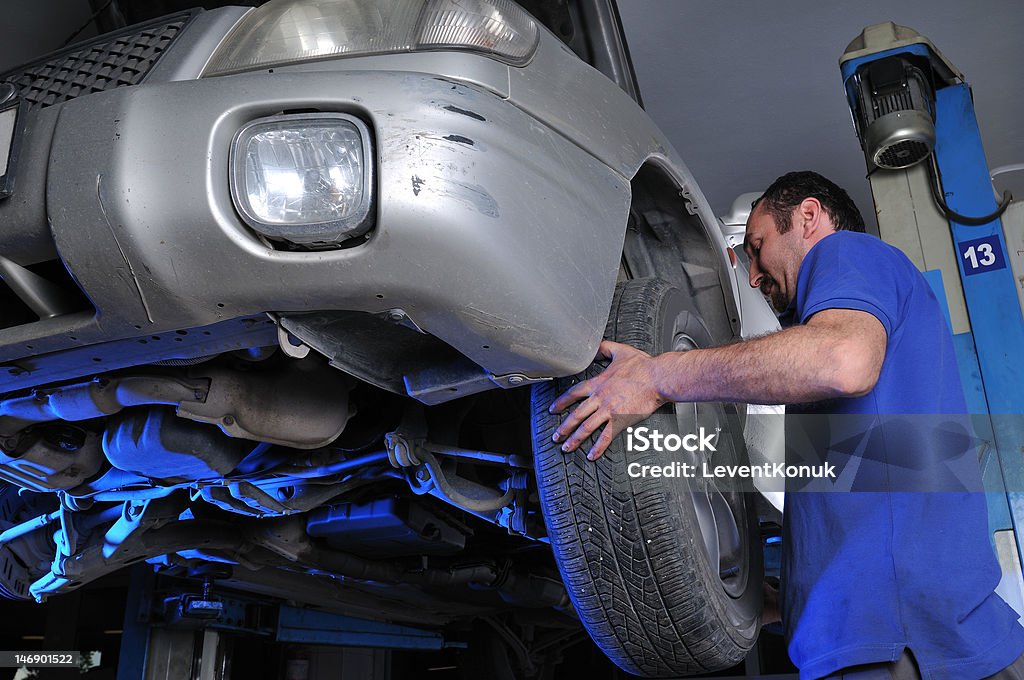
(895,113)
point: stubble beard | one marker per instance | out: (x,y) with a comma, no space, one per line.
(776,297)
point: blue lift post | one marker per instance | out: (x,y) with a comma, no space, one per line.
(160,628)
(985,285)
(131,663)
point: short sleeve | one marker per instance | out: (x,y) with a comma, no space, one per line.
(850,271)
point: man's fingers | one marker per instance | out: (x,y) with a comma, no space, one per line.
(628,366)
(570,397)
(572,421)
(602,443)
(587,428)
(610,349)
(606,349)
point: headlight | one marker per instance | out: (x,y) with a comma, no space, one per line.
(288,31)
(304,178)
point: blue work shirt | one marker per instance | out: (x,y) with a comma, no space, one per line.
(866,574)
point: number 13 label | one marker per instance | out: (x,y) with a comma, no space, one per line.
(982,255)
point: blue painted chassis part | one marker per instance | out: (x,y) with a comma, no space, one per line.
(226,336)
(322,628)
(990,374)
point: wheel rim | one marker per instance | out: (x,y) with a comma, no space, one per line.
(719,514)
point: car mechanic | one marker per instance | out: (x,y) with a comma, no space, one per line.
(865,577)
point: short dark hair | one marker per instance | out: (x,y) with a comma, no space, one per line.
(788,191)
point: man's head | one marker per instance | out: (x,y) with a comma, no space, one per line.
(797,210)
(788,191)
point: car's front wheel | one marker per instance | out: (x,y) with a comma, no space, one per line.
(664,572)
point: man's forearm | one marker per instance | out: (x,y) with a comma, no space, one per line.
(837,353)
(797,365)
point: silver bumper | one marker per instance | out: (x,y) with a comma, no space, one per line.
(494,233)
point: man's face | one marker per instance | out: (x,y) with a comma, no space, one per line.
(774,258)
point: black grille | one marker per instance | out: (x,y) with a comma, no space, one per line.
(896,101)
(109,61)
(902,155)
(890,85)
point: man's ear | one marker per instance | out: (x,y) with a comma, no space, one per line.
(811,215)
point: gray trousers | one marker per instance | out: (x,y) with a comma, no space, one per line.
(905,668)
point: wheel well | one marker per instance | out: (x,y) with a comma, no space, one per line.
(665,239)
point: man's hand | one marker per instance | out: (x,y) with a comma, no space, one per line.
(626,389)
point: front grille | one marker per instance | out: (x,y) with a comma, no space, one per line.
(104,63)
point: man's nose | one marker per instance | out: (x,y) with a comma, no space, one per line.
(756,275)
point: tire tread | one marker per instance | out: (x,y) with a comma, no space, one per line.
(632,578)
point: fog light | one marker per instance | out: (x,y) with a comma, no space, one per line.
(304,178)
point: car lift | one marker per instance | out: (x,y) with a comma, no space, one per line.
(934,200)
(175,634)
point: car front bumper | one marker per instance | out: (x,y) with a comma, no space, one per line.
(493,232)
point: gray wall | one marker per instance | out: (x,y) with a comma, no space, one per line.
(749,90)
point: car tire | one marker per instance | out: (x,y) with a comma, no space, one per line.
(637,554)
